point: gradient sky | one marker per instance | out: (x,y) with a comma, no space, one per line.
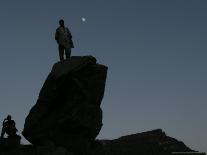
(155,51)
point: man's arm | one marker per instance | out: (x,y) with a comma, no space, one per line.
(69,34)
(57,36)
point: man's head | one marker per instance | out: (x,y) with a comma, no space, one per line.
(61,22)
(9,117)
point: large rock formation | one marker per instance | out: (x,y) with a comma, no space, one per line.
(67,112)
(67,118)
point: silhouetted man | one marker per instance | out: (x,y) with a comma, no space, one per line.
(9,127)
(64,40)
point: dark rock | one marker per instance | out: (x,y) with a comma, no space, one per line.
(67,112)
(52,151)
(67,118)
(10,143)
(147,143)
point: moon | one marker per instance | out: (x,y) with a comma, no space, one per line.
(83,19)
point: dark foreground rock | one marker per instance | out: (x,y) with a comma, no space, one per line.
(9,143)
(67,112)
(154,142)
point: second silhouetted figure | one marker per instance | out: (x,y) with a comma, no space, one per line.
(64,40)
(8,127)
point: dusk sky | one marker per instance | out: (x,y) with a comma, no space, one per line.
(155,50)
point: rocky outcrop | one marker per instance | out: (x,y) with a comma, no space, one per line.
(67,118)
(154,142)
(67,112)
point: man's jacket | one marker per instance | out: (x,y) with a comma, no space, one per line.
(64,37)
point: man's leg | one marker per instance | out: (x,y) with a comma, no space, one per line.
(68,52)
(61,52)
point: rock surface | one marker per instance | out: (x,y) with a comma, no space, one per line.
(154,142)
(67,112)
(147,143)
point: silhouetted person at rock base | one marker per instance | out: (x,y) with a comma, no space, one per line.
(64,40)
(9,127)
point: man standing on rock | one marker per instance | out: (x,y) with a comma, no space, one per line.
(64,40)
